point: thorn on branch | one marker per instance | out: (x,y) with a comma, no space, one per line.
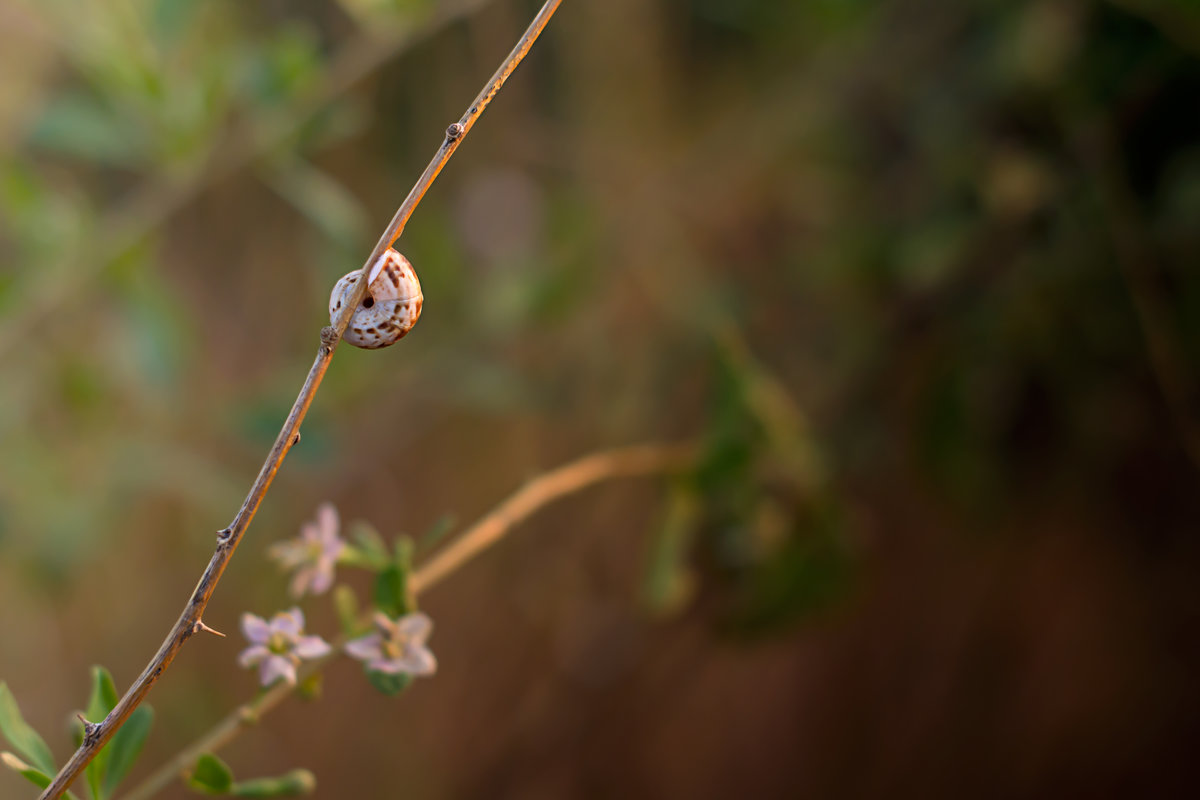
(91,730)
(199,626)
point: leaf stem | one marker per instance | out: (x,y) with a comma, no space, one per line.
(189,621)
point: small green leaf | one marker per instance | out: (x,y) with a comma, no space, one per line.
(389,591)
(371,547)
(388,683)
(404,554)
(310,687)
(210,775)
(34,776)
(346,604)
(436,533)
(104,697)
(298,781)
(391,585)
(669,582)
(126,745)
(20,735)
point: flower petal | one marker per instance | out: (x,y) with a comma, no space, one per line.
(327,521)
(320,578)
(388,666)
(276,667)
(289,554)
(290,622)
(255,628)
(331,550)
(300,582)
(415,627)
(252,655)
(311,647)
(418,660)
(309,534)
(383,623)
(365,648)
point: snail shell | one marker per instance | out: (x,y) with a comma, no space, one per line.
(391,306)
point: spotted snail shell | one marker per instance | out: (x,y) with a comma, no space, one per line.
(390,307)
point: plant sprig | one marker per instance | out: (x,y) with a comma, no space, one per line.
(97,734)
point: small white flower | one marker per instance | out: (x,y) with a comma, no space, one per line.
(313,554)
(397,645)
(278,646)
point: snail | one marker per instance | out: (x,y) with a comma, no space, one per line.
(390,307)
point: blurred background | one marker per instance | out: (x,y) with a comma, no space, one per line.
(920,276)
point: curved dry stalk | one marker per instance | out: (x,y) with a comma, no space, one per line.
(624,462)
(189,622)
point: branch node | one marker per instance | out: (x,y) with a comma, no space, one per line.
(329,336)
(455,131)
(91,730)
(296,439)
(200,626)
(224,535)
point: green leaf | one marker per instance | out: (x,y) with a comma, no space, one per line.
(391,585)
(34,776)
(126,745)
(389,591)
(390,684)
(20,735)
(104,697)
(669,583)
(436,533)
(346,604)
(404,554)
(298,781)
(371,547)
(210,775)
(310,688)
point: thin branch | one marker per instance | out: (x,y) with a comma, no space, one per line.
(625,462)
(229,538)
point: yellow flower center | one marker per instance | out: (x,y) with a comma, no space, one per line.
(278,644)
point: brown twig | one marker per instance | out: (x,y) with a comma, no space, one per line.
(228,539)
(625,462)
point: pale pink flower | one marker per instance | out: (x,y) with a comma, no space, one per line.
(397,645)
(313,554)
(278,646)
